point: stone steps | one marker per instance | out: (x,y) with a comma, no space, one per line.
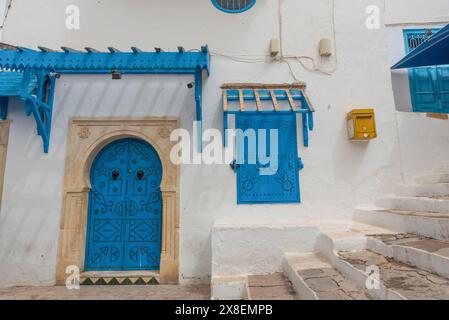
(315,279)
(429,224)
(433,178)
(423,190)
(397,280)
(274,286)
(422,252)
(417,204)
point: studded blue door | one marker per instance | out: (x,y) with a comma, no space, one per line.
(283,185)
(125,205)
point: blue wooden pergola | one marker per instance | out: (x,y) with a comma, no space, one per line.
(31,74)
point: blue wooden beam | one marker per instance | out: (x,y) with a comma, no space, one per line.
(71,61)
(4,108)
(199,106)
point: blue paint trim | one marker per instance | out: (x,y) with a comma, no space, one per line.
(219,7)
(199,107)
(4,108)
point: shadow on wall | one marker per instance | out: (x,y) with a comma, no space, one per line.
(348,156)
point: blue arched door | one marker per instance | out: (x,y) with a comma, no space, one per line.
(125,206)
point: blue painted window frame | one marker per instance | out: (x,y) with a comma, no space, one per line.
(219,7)
(435,74)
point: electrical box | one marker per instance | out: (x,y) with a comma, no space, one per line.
(326,48)
(275,47)
(361,125)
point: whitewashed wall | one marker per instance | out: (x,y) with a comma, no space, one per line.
(338,174)
(416,11)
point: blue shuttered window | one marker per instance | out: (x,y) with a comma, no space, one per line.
(429,86)
(282,185)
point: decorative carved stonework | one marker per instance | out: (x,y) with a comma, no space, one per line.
(86,138)
(164,132)
(84,132)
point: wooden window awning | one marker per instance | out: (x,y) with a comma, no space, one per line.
(253,98)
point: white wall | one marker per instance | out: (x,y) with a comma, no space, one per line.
(338,174)
(416,11)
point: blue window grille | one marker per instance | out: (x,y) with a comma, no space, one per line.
(429,86)
(234,6)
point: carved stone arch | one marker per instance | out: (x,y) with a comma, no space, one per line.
(86,138)
(97,146)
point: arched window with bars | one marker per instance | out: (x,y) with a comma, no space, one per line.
(234,6)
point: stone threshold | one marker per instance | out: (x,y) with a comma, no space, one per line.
(117,278)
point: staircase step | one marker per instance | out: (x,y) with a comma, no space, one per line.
(270,287)
(419,204)
(410,282)
(429,224)
(423,190)
(433,178)
(315,279)
(425,253)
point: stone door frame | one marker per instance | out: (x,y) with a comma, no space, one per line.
(4,140)
(86,138)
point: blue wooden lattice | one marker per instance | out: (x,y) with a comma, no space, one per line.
(125,208)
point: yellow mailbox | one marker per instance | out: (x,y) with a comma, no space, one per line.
(361,125)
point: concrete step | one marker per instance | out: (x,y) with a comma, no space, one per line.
(315,279)
(419,204)
(432,225)
(433,178)
(270,287)
(423,190)
(396,280)
(422,252)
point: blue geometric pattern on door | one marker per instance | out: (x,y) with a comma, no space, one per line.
(125,208)
(283,186)
(429,86)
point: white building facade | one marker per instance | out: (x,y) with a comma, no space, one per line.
(210,225)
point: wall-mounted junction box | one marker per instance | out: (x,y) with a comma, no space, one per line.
(275,47)
(326,48)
